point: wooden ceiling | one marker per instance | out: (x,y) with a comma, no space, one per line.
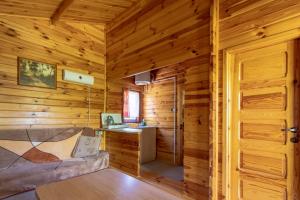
(89,11)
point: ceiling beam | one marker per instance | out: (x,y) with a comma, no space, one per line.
(63,6)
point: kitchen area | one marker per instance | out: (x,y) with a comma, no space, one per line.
(128,147)
(143,134)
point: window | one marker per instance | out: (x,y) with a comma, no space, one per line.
(131,107)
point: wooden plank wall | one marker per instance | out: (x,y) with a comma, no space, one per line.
(77,47)
(115,88)
(159,101)
(241,23)
(145,38)
(196,127)
(193,76)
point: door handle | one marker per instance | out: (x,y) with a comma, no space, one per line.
(293,130)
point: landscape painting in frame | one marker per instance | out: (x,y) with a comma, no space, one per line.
(37,74)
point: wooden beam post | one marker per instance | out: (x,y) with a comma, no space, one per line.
(63,6)
(214,102)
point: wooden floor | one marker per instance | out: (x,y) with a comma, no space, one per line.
(108,184)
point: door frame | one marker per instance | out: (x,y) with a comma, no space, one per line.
(180,124)
(228,76)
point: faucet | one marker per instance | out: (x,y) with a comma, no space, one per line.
(110,120)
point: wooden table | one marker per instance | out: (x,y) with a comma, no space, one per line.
(108,184)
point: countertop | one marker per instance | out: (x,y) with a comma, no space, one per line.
(142,127)
(127,130)
(123,130)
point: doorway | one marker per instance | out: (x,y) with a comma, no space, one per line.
(163,106)
(260,120)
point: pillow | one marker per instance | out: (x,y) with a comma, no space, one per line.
(86,146)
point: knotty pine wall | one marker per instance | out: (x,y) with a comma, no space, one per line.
(241,22)
(158,34)
(196,127)
(158,102)
(77,47)
(115,88)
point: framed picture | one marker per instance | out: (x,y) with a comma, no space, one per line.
(35,73)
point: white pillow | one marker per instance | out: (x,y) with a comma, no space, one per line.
(86,146)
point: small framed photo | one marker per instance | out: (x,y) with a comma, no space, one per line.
(36,74)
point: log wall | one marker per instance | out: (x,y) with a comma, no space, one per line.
(159,102)
(115,88)
(159,99)
(77,47)
(241,21)
(164,33)
(196,127)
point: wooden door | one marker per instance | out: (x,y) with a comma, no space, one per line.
(262,155)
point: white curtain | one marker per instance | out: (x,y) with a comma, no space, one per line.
(133,105)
